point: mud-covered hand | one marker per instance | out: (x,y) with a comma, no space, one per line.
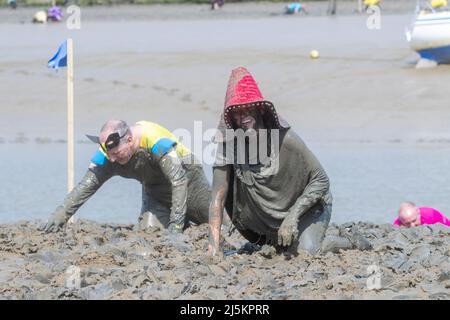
(288,232)
(212,250)
(176,228)
(56,220)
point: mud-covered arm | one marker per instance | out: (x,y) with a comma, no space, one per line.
(89,184)
(221,179)
(316,189)
(173,170)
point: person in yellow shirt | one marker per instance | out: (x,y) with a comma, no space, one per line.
(370,3)
(437,4)
(175,190)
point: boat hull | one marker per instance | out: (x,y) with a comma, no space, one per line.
(440,54)
(430,37)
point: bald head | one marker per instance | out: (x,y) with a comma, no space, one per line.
(409,214)
(119,141)
(112,126)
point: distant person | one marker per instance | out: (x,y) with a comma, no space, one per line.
(411,216)
(295,7)
(12,4)
(175,190)
(332,7)
(439,4)
(40,17)
(54,14)
(217,4)
(370,3)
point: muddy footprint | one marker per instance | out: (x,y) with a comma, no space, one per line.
(186,98)
(158,88)
(118,83)
(23,72)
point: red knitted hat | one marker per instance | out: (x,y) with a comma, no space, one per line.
(243,92)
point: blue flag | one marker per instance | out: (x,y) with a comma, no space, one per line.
(60,57)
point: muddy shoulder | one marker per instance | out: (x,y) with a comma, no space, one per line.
(112,261)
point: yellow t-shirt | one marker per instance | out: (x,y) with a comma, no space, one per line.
(155,138)
(159,140)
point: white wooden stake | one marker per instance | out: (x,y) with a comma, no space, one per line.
(70,136)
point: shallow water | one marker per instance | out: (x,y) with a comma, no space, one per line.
(378,126)
(368,181)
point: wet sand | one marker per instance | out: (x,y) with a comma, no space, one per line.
(363,88)
(361,107)
(116,262)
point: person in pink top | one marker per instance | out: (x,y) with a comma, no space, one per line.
(411,216)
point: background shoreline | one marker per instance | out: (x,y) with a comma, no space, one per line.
(190,11)
(377,125)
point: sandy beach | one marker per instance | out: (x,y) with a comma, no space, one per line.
(378,126)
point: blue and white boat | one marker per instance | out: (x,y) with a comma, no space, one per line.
(429,34)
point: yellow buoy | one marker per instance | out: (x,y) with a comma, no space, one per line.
(314,54)
(439,3)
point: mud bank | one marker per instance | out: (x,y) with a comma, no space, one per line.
(117,262)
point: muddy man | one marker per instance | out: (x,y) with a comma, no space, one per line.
(280,196)
(175,190)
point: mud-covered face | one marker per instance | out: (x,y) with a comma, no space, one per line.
(121,152)
(412,219)
(248,118)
